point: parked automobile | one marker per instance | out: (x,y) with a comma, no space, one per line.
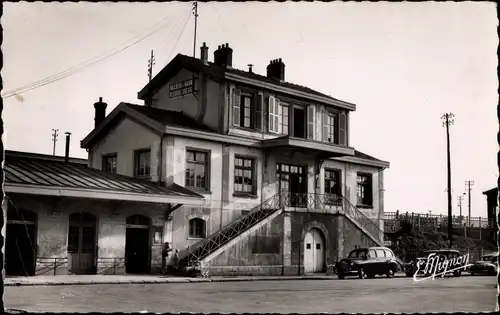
(411,267)
(488,264)
(368,262)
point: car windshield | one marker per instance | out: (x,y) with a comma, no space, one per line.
(358,253)
(489,258)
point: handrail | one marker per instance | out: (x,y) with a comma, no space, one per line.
(194,254)
(56,259)
(236,227)
(363,220)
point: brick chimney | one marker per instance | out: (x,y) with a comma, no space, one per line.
(223,56)
(100,112)
(204,53)
(276,69)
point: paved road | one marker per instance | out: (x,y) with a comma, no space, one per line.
(398,295)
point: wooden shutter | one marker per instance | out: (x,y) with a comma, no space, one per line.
(271,114)
(310,122)
(324,118)
(342,128)
(258,111)
(236,107)
(276,115)
(265,123)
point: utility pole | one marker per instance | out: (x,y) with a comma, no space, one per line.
(54,140)
(151,62)
(469,184)
(447,121)
(195,12)
(460,198)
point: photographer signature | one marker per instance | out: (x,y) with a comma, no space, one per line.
(438,265)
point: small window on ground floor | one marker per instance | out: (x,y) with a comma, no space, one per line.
(197,228)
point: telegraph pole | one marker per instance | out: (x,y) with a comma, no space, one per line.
(469,184)
(460,198)
(447,121)
(151,62)
(54,140)
(195,13)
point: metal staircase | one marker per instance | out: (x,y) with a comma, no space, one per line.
(329,203)
(202,249)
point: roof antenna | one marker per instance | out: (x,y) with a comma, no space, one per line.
(195,13)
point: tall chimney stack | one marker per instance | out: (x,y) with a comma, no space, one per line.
(276,69)
(100,112)
(66,155)
(223,56)
(204,53)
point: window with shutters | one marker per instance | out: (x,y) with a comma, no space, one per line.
(364,189)
(334,127)
(273,110)
(197,228)
(247,111)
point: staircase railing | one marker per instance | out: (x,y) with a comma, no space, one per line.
(326,202)
(370,227)
(205,247)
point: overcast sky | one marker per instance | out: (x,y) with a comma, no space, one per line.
(403,64)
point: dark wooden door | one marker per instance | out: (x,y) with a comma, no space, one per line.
(20,243)
(137,244)
(82,243)
(292,181)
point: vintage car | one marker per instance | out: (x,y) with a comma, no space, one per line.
(488,264)
(368,262)
(420,263)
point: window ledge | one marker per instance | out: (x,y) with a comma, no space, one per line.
(147,177)
(244,195)
(192,238)
(247,129)
(364,206)
(199,190)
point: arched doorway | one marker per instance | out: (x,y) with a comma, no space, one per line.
(20,242)
(82,243)
(314,251)
(137,253)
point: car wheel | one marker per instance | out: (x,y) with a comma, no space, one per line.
(370,275)
(361,273)
(341,276)
(390,273)
(492,273)
(409,274)
(457,273)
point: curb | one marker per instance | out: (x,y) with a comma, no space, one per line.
(178,280)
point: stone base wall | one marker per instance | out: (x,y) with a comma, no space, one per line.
(276,270)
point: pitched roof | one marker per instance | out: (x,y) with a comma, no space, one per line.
(362,155)
(196,65)
(40,172)
(168,117)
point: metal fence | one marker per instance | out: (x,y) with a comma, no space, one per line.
(418,219)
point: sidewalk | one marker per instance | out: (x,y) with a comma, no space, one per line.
(139,279)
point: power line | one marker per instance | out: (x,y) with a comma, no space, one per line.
(180,35)
(77,68)
(469,184)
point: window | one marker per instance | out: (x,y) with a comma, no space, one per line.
(244,175)
(197,228)
(388,253)
(380,252)
(197,169)
(143,163)
(283,119)
(335,127)
(332,185)
(109,163)
(364,189)
(158,235)
(247,110)
(371,253)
